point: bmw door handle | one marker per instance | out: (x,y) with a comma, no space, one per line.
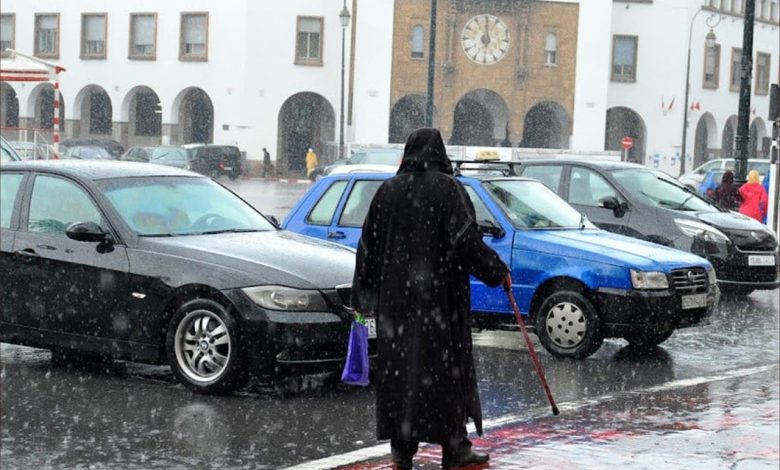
(46,247)
(336,235)
(29,252)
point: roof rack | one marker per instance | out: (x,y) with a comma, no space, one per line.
(506,168)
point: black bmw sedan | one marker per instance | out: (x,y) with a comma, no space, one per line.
(154,264)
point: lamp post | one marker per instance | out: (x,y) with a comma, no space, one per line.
(344,18)
(743,116)
(709,40)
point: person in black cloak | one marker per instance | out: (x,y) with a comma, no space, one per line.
(419,244)
(727,195)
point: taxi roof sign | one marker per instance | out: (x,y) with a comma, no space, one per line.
(487,155)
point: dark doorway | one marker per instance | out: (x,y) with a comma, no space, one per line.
(625,122)
(729,134)
(705,130)
(44,116)
(100,112)
(546,126)
(148,115)
(9,106)
(407,115)
(481,117)
(306,120)
(196,117)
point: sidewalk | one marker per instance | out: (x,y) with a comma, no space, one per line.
(725,422)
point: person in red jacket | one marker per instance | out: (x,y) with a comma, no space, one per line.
(754,198)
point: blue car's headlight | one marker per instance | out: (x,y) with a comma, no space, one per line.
(649,280)
(286,298)
(699,229)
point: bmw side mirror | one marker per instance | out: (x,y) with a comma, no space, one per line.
(87,232)
(488,227)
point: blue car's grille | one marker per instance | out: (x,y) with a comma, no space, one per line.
(690,280)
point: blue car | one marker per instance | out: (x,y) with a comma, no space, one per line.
(577,284)
(711,181)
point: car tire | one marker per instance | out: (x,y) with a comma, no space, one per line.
(648,339)
(233,175)
(568,326)
(204,347)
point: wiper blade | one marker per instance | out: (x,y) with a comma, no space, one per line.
(229,230)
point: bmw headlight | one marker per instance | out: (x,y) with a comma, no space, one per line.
(712,277)
(649,280)
(697,229)
(286,298)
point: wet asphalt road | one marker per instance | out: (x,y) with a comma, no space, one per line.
(127,415)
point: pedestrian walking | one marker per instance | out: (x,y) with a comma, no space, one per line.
(754,197)
(311,162)
(419,244)
(266,163)
(727,194)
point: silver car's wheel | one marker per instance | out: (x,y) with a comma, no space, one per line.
(202,346)
(566,325)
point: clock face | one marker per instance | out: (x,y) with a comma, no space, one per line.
(485,39)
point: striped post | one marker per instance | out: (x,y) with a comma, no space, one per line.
(56,131)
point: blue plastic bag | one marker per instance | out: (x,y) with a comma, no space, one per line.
(356,367)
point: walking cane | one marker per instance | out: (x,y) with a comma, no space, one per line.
(531,350)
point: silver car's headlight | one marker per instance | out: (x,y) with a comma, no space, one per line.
(649,280)
(286,298)
(698,229)
(711,276)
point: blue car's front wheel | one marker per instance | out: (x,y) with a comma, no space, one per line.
(568,326)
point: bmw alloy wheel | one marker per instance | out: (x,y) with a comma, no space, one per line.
(202,346)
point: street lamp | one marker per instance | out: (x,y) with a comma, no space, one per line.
(344,18)
(709,41)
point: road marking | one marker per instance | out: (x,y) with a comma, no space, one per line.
(381,450)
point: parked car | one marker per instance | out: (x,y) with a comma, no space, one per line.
(371,156)
(577,283)
(215,160)
(710,183)
(137,154)
(696,176)
(171,155)
(154,264)
(111,146)
(636,201)
(87,152)
(7,153)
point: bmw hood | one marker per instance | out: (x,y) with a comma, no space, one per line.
(613,249)
(232,260)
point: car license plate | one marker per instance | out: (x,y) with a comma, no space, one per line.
(694,301)
(761,260)
(228,168)
(371,324)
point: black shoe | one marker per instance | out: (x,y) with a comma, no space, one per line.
(402,463)
(465,459)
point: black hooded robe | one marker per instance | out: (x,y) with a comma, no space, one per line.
(419,244)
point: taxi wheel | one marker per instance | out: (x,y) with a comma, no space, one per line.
(568,326)
(204,347)
(648,339)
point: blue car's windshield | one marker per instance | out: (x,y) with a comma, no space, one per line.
(530,204)
(171,206)
(658,189)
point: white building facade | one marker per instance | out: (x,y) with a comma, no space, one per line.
(246,73)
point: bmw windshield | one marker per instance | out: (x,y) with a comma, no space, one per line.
(531,205)
(660,190)
(173,206)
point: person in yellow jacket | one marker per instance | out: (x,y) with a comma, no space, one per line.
(311,162)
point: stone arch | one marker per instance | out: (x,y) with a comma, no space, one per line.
(40,105)
(706,140)
(306,119)
(92,112)
(727,143)
(9,106)
(142,111)
(546,125)
(407,114)
(192,117)
(625,122)
(481,117)
(756,137)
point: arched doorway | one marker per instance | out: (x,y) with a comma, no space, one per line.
(194,113)
(9,106)
(546,125)
(306,120)
(42,99)
(625,122)
(706,140)
(142,111)
(728,139)
(481,117)
(93,112)
(407,114)
(756,147)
